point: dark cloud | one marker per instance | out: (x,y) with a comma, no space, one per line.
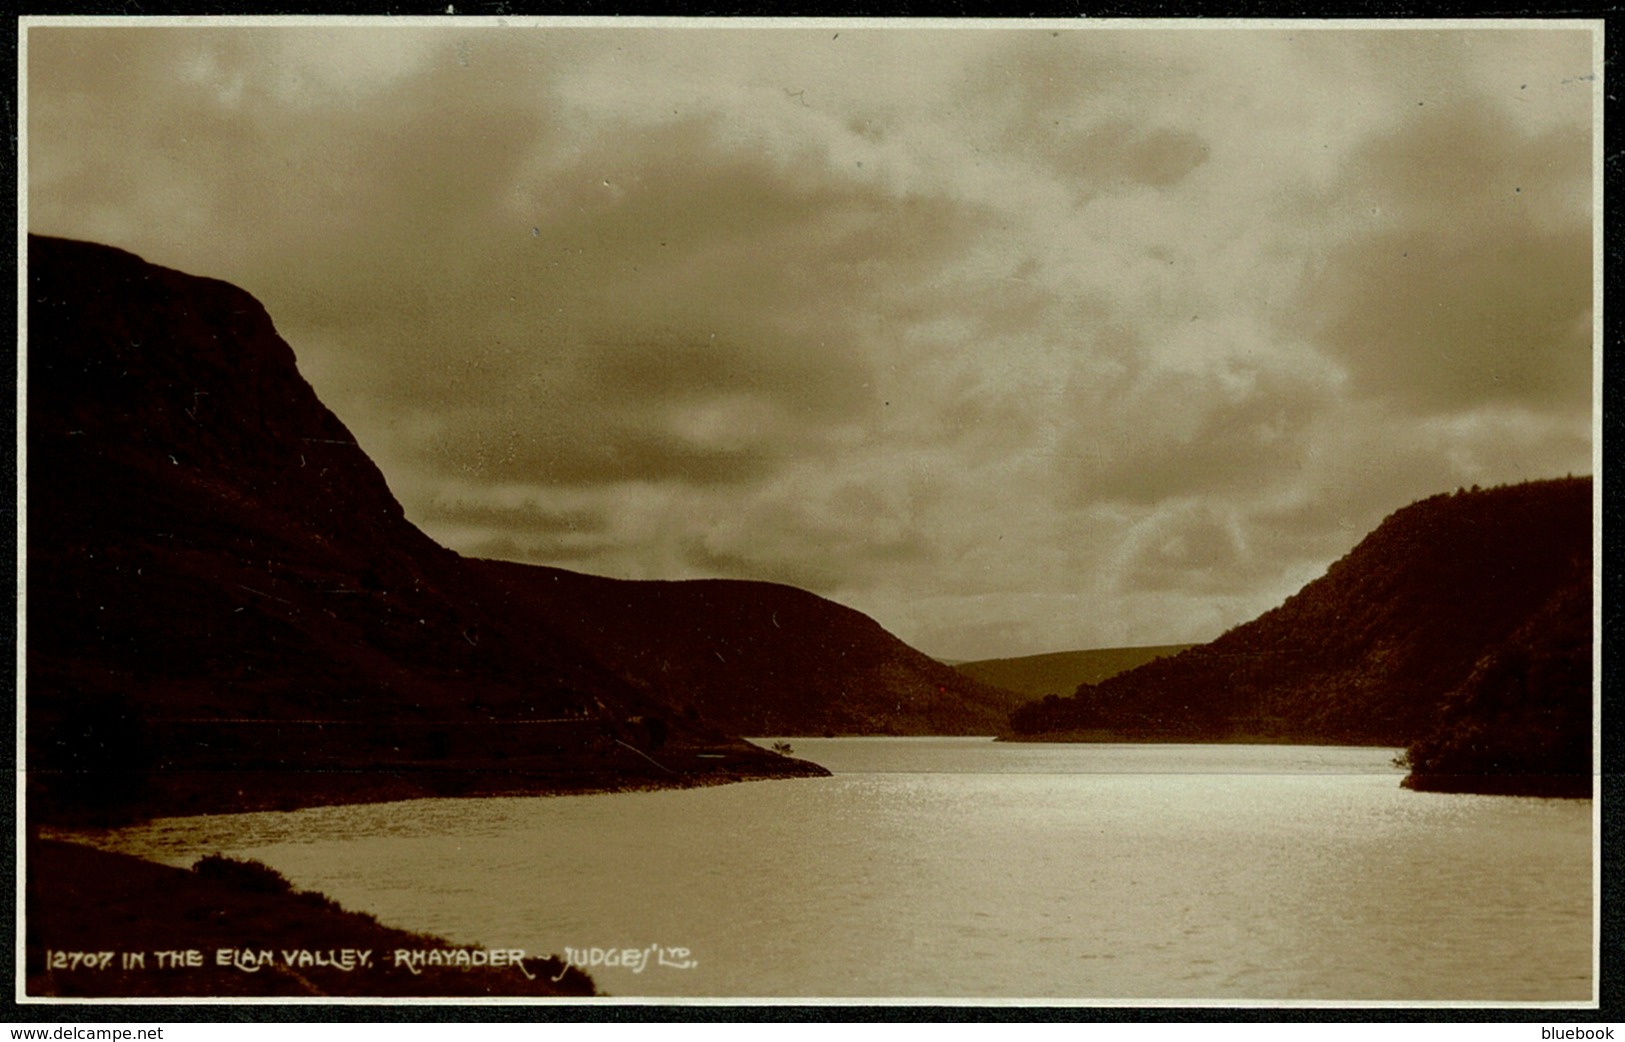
(542,550)
(660,303)
(1038,76)
(271,157)
(1114,153)
(696,315)
(648,302)
(1171,435)
(525,519)
(1466,279)
(844,536)
(1070,102)
(1195,549)
(821,561)
(505,444)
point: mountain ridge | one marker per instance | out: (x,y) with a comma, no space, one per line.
(212,559)
(1398,639)
(826,662)
(230,610)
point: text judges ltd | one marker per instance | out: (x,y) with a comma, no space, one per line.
(634,959)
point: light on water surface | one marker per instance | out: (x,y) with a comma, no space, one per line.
(964,868)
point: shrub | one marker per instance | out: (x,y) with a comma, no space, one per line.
(253,876)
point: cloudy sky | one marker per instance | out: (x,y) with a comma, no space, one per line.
(1017,338)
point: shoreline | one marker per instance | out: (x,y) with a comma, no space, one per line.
(1102,736)
(106,925)
(129,797)
(1534,786)
(81,899)
(245,931)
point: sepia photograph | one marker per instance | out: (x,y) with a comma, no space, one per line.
(714,511)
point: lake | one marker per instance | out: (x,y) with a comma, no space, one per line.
(962,868)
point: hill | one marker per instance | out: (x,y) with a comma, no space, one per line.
(227,608)
(1461,614)
(754,658)
(1522,720)
(1062,671)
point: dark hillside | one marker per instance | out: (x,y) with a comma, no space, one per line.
(1522,720)
(1368,653)
(203,532)
(753,657)
(225,604)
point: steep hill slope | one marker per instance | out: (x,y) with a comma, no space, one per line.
(1062,671)
(753,657)
(1370,652)
(1522,720)
(220,583)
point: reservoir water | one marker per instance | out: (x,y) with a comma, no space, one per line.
(961,868)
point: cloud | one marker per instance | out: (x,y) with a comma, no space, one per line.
(529,531)
(1194,548)
(523,517)
(1466,279)
(647,301)
(1175,434)
(675,310)
(1117,151)
(1015,339)
(1078,104)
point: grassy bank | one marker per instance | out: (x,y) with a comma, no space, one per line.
(236,929)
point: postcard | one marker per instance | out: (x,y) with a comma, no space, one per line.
(812,511)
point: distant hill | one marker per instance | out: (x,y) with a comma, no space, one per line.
(1462,616)
(226,607)
(754,658)
(1061,672)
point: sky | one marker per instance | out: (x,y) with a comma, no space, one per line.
(1016,337)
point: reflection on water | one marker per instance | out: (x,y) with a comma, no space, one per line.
(965,868)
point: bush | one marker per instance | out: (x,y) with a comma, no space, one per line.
(253,876)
